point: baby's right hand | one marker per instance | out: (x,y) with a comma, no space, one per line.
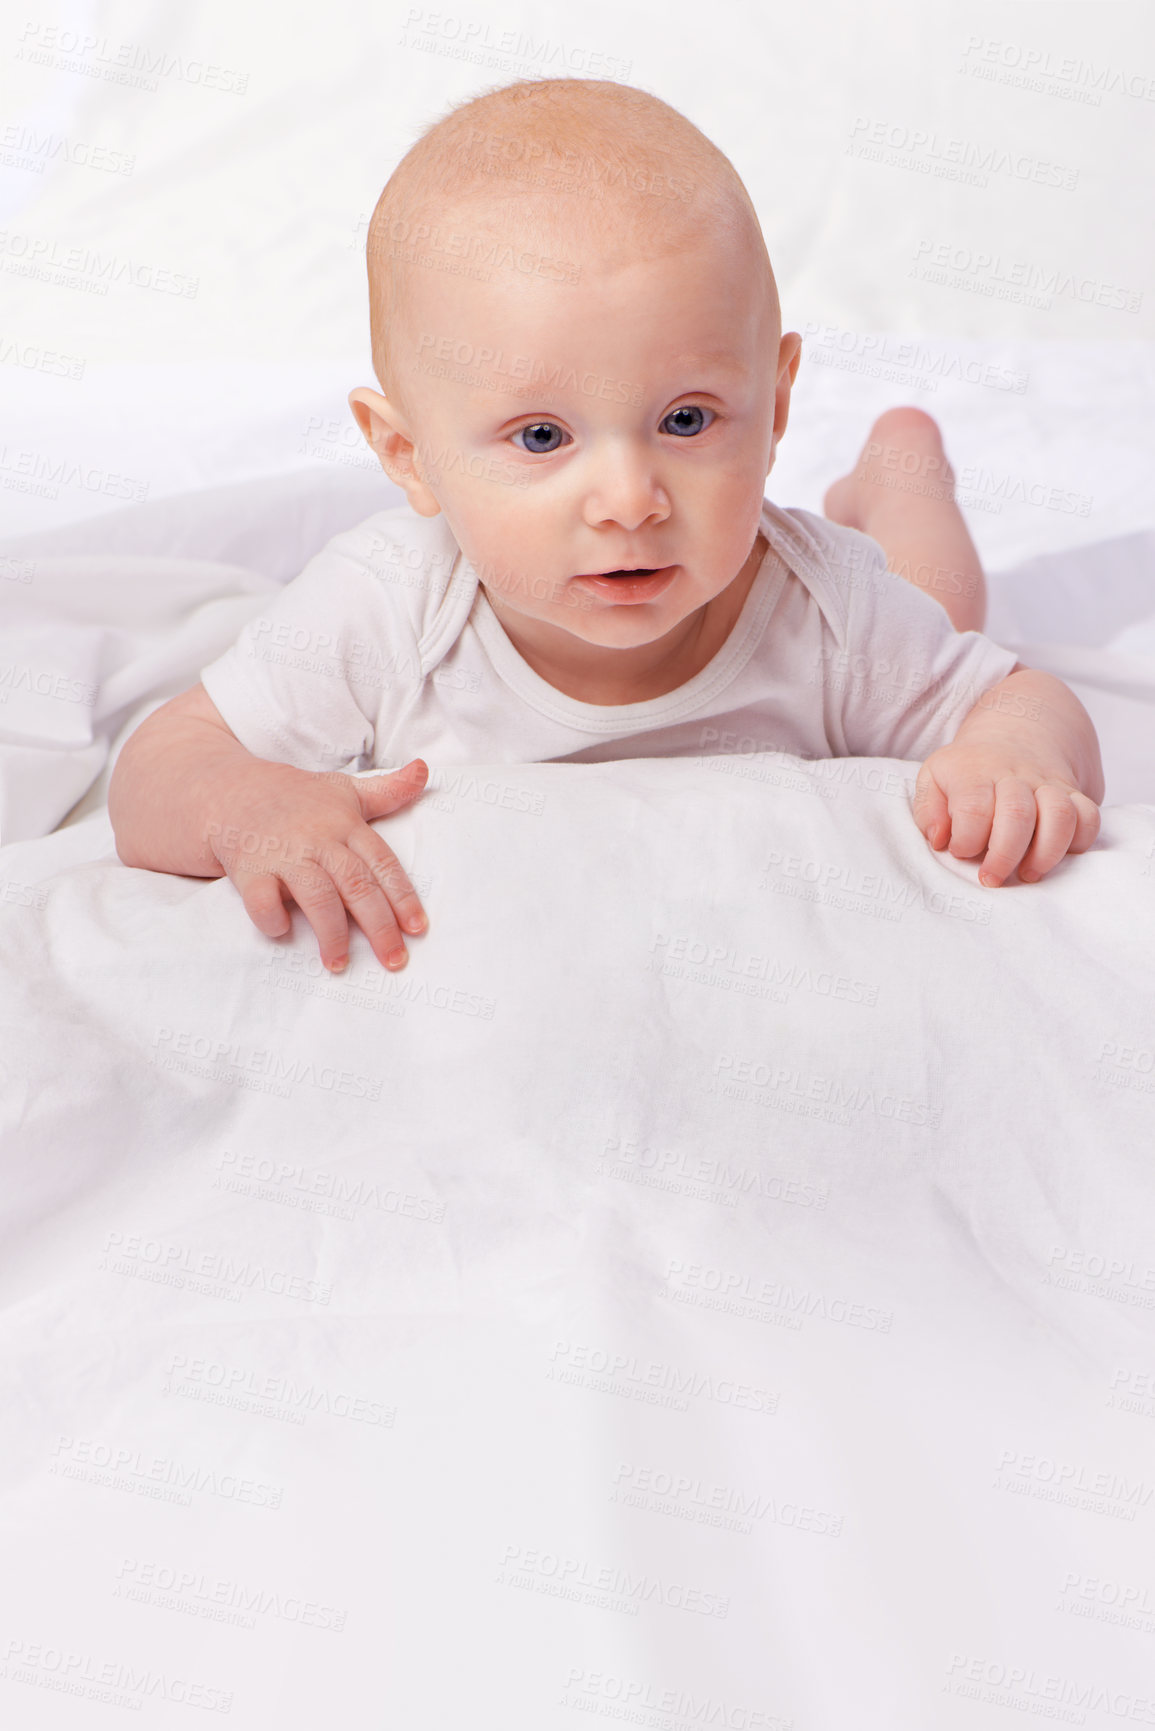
(288,829)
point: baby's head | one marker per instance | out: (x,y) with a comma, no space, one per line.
(576,331)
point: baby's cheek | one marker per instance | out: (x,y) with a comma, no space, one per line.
(731,511)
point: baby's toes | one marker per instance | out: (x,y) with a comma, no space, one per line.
(908,440)
(841,501)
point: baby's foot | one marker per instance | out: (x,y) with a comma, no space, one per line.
(901,493)
(903,453)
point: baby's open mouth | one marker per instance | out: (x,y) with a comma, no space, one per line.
(631,582)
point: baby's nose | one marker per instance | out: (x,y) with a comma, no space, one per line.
(626,489)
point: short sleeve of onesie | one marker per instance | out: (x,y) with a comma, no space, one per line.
(382,650)
(304,680)
(904,679)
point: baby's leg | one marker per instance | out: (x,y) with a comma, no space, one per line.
(901,493)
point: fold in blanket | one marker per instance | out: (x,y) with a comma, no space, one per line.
(716,1271)
(711,1285)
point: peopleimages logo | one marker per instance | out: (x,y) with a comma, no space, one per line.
(1044,1693)
(241,1386)
(37,360)
(189,1268)
(24,147)
(26,471)
(651,1380)
(1027,67)
(607,1585)
(1018,280)
(421,242)
(924,151)
(131,63)
(219,1598)
(682,948)
(719,1505)
(880,354)
(113,1681)
(479,42)
(234,1060)
(41,253)
(510,370)
(732,1289)
(162,1478)
(636,1701)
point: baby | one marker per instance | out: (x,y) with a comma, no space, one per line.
(584,380)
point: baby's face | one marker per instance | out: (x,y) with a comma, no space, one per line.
(567,429)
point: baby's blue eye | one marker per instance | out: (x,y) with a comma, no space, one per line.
(683,422)
(537,436)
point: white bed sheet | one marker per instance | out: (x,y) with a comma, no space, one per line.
(718,1271)
(711,1284)
(453,1406)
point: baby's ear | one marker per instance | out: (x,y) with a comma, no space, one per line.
(384,432)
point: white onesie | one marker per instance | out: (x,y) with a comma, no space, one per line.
(385,648)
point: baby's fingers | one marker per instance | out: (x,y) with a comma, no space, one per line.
(392,878)
(1063,827)
(263,901)
(1089,822)
(930,811)
(356,889)
(314,888)
(971,808)
(1011,830)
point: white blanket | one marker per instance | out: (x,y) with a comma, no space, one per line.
(712,1285)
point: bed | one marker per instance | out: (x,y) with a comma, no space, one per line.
(713,1285)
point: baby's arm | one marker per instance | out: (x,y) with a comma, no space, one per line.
(1022,776)
(185,796)
(1022,779)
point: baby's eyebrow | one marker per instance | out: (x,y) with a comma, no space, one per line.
(722,359)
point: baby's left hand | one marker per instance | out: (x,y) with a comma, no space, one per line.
(1023,812)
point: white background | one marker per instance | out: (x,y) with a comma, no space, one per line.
(258,151)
